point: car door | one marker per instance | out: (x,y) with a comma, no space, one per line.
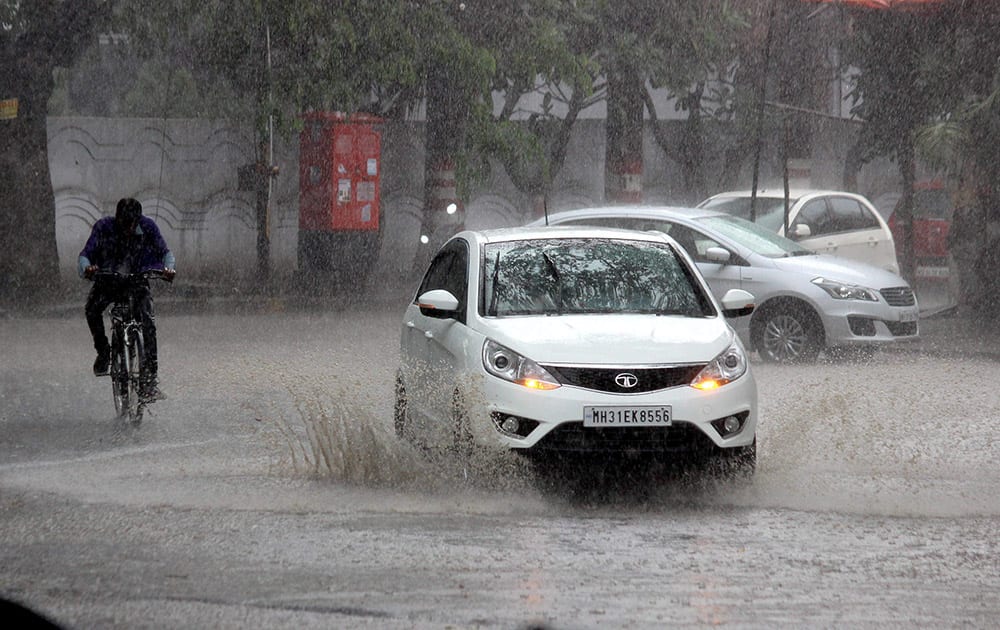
(815,215)
(736,273)
(858,234)
(435,345)
(721,277)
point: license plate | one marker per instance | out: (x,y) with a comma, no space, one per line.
(933,272)
(645,416)
(909,316)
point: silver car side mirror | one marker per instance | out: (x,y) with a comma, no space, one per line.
(717,255)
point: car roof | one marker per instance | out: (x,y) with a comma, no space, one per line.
(531,232)
(793,193)
(642,211)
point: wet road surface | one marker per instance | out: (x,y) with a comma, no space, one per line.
(269,491)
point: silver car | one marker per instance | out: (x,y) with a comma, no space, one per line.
(806,302)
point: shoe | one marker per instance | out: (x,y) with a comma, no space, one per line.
(102,364)
(151,393)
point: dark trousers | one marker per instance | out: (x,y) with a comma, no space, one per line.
(101,296)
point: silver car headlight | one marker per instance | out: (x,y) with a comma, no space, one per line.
(502,362)
(844,291)
(725,368)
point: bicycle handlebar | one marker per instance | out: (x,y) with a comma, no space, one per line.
(149,274)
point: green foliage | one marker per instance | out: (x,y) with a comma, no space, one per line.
(896,89)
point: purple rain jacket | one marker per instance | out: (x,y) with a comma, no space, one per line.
(142,251)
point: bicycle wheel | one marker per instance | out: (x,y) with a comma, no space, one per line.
(136,359)
(119,375)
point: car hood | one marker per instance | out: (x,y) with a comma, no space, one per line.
(841,270)
(612,339)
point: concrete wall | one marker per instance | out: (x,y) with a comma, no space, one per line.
(185,174)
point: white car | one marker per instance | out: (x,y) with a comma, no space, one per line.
(824,221)
(575,340)
(806,302)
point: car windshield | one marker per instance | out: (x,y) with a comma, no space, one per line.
(770,210)
(755,237)
(571,276)
(931,204)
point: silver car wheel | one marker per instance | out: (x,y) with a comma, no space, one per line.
(785,338)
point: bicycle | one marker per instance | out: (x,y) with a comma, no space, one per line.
(128,350)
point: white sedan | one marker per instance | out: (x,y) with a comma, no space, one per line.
(575,340)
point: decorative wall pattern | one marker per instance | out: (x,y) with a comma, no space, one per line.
(185,174)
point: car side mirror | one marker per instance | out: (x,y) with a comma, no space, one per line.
(717,255)
(800,230)
(438,303)
(737,303)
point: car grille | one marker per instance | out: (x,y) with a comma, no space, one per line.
(574,437)
(899,296)
(603,379)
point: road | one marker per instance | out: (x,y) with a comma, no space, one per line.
(268,491)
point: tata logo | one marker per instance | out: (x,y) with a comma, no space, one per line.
(626,380)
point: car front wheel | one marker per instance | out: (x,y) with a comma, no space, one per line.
(739,462)
(787,333)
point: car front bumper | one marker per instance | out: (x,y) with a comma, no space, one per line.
(559,417)
(853,322)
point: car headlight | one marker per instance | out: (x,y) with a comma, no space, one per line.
(844,291)
(502,362)
(725,368)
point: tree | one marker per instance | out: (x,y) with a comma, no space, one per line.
(282,58)
(963,141)
(693,49)
(35,38)
(543,50)
(894,95)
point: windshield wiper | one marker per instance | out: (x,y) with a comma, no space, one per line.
(555,275)
(492,309)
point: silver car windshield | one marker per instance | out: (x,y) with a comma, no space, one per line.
(770,210)
(754,237)
(573,276)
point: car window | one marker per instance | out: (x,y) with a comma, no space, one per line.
(868,219)
(931,204)
(770,211)
(564,276)
(754,237)
(695,243)
(816,216)
(848,215)
(449,271)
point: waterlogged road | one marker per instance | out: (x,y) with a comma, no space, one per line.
(268,491)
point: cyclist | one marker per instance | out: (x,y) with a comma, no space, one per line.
(125,243)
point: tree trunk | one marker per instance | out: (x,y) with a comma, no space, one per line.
(29,262)
(907,169)
(447,117)
(623,151)
(692,152)
(48,34)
